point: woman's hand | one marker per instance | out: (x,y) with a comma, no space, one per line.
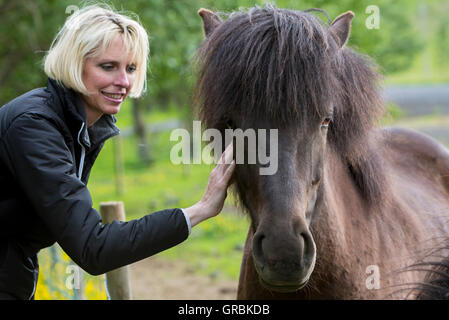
(213,200)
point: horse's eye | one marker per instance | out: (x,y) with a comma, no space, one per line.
(326,122)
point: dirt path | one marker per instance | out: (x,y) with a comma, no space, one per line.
(157,278)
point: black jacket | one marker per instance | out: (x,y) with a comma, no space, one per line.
(46,154)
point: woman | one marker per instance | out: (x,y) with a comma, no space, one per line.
(49,140)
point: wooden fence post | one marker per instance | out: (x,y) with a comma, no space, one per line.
(117,281)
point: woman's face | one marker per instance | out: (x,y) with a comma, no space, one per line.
(108,78)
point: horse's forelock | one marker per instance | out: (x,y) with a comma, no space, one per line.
(283,65)
(266,63)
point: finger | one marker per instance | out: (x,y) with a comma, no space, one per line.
(227,155)
(229,171)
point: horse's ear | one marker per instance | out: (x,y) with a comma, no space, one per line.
(341,27)
(210,21)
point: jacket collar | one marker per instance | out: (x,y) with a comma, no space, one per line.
(69,106)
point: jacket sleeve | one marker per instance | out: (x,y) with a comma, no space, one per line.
(41,162)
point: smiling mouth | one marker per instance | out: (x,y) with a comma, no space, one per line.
(114,96)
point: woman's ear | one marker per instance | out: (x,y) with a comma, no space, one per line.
(341,27)
(210,21)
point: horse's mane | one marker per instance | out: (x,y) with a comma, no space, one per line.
(436,284)
(435,268)
(285,66)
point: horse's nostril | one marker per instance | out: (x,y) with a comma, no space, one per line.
(257,248)
(309,250)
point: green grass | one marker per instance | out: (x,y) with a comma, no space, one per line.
(215,246)
(416,76)
(430,120)
(147,187)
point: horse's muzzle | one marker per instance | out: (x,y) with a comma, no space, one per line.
(284,263)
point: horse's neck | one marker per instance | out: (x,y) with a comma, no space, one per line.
(351,235)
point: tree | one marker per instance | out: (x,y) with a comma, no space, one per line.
(26,31)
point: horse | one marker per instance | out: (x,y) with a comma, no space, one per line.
(351,204)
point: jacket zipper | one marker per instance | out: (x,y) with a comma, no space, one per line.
(83,154)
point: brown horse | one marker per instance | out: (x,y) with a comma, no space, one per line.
(350,205)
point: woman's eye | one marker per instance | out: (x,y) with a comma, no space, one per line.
(106,67)
(326,122)
(131,69)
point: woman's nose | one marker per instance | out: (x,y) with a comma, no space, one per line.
(122,79)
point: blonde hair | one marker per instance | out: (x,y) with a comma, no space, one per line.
(87,33)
